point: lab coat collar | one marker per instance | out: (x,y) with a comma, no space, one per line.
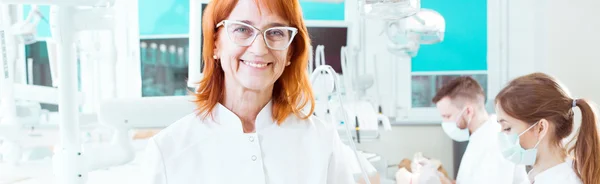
(562,169)
(488,128)
(229,119)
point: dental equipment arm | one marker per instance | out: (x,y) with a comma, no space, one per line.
(320,55)
(7,61)
(124,115)
(65,23)
(348,72)
(322,87)
(9,124)
(329,69)
(134,112)
(41,94)
(26,30)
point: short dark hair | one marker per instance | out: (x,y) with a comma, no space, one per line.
(463,87)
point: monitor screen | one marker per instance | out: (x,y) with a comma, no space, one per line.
(333,38)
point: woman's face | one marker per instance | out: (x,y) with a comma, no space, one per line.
(511,125)
(255,66)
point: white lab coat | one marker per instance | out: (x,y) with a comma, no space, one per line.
(194,150)
(559,174)
(483,162)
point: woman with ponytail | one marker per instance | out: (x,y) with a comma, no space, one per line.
(537,115)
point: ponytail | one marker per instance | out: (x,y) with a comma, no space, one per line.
(587,147)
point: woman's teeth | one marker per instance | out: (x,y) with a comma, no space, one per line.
(255,65)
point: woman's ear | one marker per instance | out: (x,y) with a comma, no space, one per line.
(215,53)
(216,49)
(290,52)
(542,128)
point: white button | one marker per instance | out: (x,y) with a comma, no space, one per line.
(251,139)
(253,157)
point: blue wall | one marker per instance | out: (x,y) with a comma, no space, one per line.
(43,28)
(464,47)
(159,17)
(172,16)
(465,43)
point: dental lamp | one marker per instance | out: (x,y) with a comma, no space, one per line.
(429,25)
(400,40)
(407,24)
(389,9)
(407,34)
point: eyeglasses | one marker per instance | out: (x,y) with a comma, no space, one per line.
(242,34)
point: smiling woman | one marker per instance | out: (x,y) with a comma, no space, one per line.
(220,55)
(250,120)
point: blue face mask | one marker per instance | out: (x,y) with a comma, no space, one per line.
(512,150)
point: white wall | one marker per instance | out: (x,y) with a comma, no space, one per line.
(556,37)
(568,45)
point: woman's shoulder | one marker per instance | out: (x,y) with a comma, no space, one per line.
(182,131)
(313,123)
(310,120)
(561,173)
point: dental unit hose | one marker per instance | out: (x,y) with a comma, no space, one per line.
(329,70)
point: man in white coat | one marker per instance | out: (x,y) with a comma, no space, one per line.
(461,102)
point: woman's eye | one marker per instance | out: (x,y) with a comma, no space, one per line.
(241,29)
(506,129)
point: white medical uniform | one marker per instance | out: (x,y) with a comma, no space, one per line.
(483,162)
(194,150)
(559,174)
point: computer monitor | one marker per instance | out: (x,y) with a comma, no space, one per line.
(331,34)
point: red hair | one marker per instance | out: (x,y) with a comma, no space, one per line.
(292,91)
(538,96)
